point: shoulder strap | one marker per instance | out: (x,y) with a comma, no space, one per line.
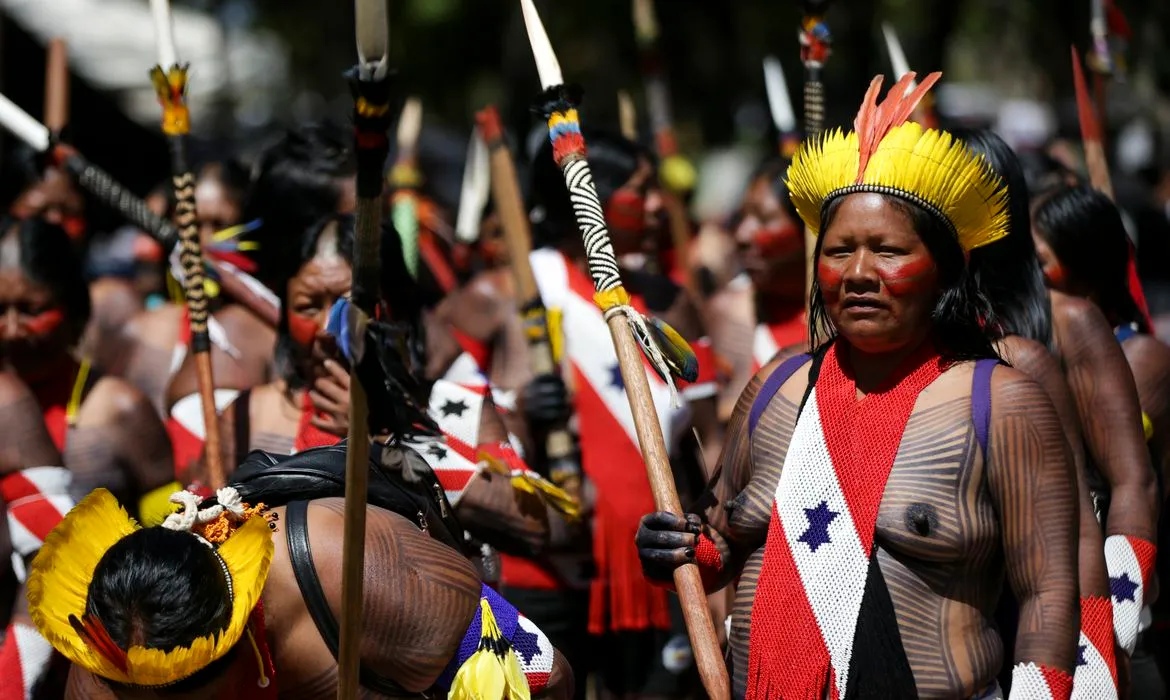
(243,424)
(772,385)
(296,528)
(981,401)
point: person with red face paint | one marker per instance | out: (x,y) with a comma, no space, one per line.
(105,429)
(761,311)
(876,493)
(1085,252)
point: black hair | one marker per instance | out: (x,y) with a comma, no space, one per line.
(1085,231)
(48,257)
(961,307)
(1044,174)
(613,160)
(1008,271)
(296,182)
(162,589)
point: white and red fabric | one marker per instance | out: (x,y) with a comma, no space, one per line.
(186,429)
(771,338)
(454,462)
(534,652)
(36,500)
(621,598)
(817,552)
(1130,562)
(24,659)
(1095,677)
(1035,682)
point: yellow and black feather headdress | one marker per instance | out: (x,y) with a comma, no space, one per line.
(58,588)
(886,154)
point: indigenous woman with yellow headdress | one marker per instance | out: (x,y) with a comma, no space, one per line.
(876,493)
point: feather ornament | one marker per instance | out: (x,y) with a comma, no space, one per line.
(493,671)
(887,154)
(58,588)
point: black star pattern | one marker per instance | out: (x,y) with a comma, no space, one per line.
(525,643)
(818,526)
(615,378)
(1122,588)
(453,408)
(437,451)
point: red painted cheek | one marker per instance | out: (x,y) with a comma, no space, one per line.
(302,330)
(1055,275)
(911,277)
(45,322)
(829,278)
(74,226)
(626,211)
(778,242)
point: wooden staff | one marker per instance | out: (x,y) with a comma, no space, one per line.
(627,116)
(170,83)
(676,173)
(370,84)
(1098,167)
(518,238)
(57,86)
(815,46)
(559,105)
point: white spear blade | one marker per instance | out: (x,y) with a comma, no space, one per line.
(779,103)
(546,61)
(409,125)
(22,126)
(373,38)
(164,32)
(645,21)
(897,56)
(474,192)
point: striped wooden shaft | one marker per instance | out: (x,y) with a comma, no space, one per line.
(191,258)
(603,266)
(814,108)
(111,193)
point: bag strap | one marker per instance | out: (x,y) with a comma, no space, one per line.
(243,424)
(981,401)
(300,554)
(772,385)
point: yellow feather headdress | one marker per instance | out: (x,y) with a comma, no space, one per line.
(58,588)
(886,154)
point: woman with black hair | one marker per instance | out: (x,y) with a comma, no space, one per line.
(762,310)
(874,495)
(106,430)
(1084,249)
(1009,275)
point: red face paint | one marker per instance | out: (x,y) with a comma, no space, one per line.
(74,226)
(829,278)
(302,330)
(909,277)
(44,323)
(1055,275)
(779,241)
(626,211)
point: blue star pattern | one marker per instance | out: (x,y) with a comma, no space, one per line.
(1122,588)
(1081,655)
(615,378)
(525,643)
(818,526)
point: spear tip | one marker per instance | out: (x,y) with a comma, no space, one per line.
(547,65)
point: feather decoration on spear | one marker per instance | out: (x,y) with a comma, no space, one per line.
(170,84)
(628,328)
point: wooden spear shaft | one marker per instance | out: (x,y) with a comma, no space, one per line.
(370,85)
(518,238)
(814,51)
(170,82)
(57,86)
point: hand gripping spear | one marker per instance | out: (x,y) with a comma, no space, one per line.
(563,470)
(558,103)
(369,82)
(170,82)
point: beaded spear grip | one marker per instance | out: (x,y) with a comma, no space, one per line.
(564,131)
(815,46)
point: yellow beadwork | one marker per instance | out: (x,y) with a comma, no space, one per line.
(611,297)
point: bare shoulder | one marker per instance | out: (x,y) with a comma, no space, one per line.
(114,400)
(1148,357)
(235,318)
(158,326)
(479,307)
(1009,384)
(1077,319)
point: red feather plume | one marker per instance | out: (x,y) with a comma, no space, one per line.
(94,634)
(875,120)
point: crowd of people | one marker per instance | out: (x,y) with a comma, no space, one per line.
(935,468)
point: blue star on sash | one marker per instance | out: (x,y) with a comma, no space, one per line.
(1122,588)
(615,378)
(1081,655)
(818,526)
